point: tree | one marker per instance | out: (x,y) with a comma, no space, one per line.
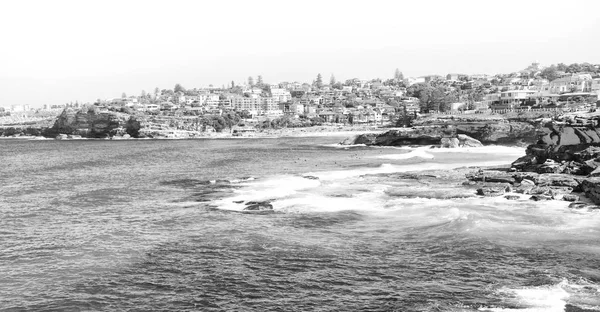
(398,75)
(232,84)
(143,95)
(549,73)
(123,95)
(259,80)
(431,98)
(404,119)
(319,82)
(245,114)
(251,81)
(178,88)
(332,80)
(561,67)
(573,68)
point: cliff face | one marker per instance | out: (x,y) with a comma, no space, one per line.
(89,122)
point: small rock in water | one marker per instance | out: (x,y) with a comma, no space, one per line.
(491,191)
(582,205)
(570,197)
(311,177)
(540,197)
(512,197)
(257,205)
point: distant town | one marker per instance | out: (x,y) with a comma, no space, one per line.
(357,101)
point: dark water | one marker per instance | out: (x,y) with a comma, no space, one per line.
(153,225)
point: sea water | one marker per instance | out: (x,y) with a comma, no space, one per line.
(146,225)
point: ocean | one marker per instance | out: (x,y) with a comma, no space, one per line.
(158,225)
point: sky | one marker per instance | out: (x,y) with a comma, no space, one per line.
(60,51)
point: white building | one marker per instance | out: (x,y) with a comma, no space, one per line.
(512,99)
(282,95)
(211,101)
(573,83)
(491,98)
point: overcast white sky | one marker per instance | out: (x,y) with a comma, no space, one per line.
(59,51)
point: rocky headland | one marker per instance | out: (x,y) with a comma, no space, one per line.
(90,122)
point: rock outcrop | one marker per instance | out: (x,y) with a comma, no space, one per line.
(411,136)
(89,122)
(563,148)
(503,132)
(441,131)
(489,129)
(258,206)
(416,136)
(568,154)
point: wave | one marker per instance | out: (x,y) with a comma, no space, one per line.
(420,152)
(496,150)
(266,190)
(552,298)
(342,146)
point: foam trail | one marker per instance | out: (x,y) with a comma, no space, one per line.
(344,174)
(268,189)
(338,145)
(536,299)
(488,149)
(417,152)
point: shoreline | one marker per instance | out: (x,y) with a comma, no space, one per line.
(319,131)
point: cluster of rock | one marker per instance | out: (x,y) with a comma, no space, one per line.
(565,160)
(536,186)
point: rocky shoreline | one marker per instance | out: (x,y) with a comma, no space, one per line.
(562,161)
(564,164)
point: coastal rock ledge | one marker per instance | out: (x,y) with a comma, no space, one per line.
(416,136)
(568,155)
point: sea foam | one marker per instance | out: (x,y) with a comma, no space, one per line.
(552,298)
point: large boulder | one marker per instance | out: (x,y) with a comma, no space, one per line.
(591,187)
(467,141)
(496,189)
(525,162)
(449,142)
